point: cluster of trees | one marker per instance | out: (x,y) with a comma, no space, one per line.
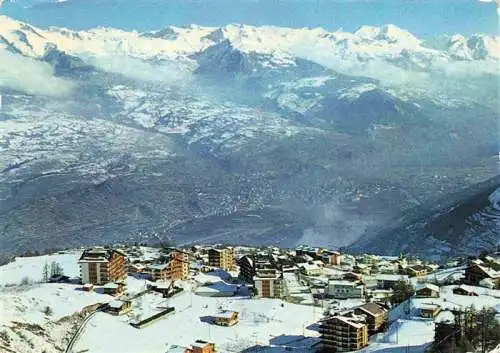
(473,331)
(402,291)
(50,270)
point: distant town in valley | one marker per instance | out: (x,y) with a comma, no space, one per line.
(217,298)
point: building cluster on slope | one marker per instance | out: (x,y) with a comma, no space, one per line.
(355,292)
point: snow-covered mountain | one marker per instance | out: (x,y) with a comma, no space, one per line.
(107,133)
(367,43)
(459,224)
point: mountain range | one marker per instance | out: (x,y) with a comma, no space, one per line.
(242,134)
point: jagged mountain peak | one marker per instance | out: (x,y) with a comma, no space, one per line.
(389,32)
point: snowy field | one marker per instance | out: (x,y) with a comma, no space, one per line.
(403,336)
(31,267)
(262,322)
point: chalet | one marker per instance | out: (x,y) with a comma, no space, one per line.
(200,346)
(118,307)
(387,281)
(380,295)
(113,288)
(218,289)
(352,276)
(344,289)
(362,268)
(166,288)
(487,283)
(376,316)
(99,265)
(477,270)
(343,333)
(427,290)
(227,318)
(429,311)
(310,269)
(88,287)
(464,290)
(417,270)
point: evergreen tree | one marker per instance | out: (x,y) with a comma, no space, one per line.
(401,291)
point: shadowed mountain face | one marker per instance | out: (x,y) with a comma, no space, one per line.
(243,134)
(461,223)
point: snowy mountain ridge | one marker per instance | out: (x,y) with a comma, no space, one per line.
(388,43)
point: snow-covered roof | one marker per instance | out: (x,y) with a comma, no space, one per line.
(309,267)
(226,314)
(163,284)
(489,271)
(116,304)
(342,283)
(158,266)
(388,277)
(373,309)
(445,316)
(111,285)
(200,343)
(430,286)
(350,321)
(427,306)
(218,287)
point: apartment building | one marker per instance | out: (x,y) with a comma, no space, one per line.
(225,258)
(99,265)
(343,333)
(376,316)
(268,283)
(250,264)
(173,266)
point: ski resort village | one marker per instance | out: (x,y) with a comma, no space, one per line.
(203,299)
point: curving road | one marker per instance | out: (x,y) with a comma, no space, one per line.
(69,348)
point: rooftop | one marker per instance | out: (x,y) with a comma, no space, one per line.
(158,266)
(226,314)
(373,309)
(387,277)
(430,286)
(342,283)
(116,304)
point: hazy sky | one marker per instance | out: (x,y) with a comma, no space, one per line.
(422,17)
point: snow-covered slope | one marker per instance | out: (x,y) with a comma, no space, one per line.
(387,42)
(463,224)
